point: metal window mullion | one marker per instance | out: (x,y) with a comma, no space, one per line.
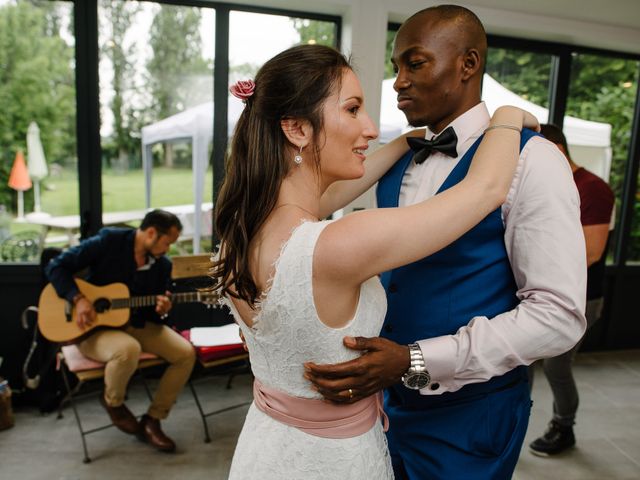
(85,20)
(559,87)
(220,95)
(630,187)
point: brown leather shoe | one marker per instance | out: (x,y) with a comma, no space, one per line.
(151,432)
(121,417)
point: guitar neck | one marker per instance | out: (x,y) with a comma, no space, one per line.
(150,300)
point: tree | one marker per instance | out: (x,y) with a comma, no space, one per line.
(315,31)
(37,83)
(177,58)
(116,19)
(388,66)
(602,89)
(525,73)
(176,64)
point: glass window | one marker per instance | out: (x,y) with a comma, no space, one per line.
(274,33)
(526,74)
(38,154)
(633,254)
(517,77)
(602,92)
(392,121)
(156,97)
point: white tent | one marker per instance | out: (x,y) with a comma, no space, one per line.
(589,142)
(194,125)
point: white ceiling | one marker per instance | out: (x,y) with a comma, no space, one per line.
(621,13)
(605,24)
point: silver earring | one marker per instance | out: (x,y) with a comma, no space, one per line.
(298,157)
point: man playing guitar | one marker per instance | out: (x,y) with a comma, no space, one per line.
(137,259)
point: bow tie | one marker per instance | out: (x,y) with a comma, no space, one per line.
(445,142)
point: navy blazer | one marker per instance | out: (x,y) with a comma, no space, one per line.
(108,257)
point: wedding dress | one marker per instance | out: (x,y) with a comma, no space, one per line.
(287,333)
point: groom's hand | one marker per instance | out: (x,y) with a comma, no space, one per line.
(381,364)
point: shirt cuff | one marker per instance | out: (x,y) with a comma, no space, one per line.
(440,360)
(71,294)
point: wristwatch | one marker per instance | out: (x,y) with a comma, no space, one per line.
(417,376)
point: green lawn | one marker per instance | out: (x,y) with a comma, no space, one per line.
(120,192)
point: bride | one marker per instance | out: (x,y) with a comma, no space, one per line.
(297,284)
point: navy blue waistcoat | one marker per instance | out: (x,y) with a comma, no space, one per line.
(471,277)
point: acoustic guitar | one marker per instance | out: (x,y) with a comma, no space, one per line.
(57,319)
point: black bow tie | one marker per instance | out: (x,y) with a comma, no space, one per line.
(445,142)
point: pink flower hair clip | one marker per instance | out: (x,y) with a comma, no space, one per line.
(243,89)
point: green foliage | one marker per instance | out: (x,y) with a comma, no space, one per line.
(314,31)
(524,73)
(175,39)
(123,191)
(37,83)
(603,89)
(116,18)
(177,66)
(388,66)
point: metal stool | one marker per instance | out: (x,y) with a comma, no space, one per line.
(225,360)
(73,361)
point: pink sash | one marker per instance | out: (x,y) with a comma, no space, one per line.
(317,417)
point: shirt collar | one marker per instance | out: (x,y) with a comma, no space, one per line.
(150,261)
(468,124)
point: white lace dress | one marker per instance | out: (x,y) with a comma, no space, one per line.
(287,332)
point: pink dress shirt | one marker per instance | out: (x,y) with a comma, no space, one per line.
(546,248)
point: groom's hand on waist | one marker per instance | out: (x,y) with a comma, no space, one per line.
(381,364)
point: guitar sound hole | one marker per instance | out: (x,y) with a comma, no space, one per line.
(101,305)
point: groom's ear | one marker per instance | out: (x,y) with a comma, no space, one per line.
(470,63)
(297,131)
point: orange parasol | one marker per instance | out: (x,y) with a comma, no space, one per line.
(19,178)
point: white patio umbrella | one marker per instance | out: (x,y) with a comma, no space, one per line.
(36,162)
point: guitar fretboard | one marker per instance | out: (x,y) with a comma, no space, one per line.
(150,300)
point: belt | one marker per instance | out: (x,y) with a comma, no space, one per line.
(317,417)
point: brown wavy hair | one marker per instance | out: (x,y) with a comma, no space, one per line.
(293,84)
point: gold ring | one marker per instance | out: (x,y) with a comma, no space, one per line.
(350,394)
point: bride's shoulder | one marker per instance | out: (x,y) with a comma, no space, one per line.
(271,244)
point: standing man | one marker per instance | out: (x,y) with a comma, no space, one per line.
(137,259)
(462,323)
(596,215)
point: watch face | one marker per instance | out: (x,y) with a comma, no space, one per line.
(416,381)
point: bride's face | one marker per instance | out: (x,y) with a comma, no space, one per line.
(348,129)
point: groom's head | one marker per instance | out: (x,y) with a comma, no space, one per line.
(439,54)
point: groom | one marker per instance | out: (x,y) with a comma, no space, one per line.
(462,323)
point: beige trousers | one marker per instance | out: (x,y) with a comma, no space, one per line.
(120,350)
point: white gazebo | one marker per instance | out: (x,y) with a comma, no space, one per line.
(193,125)
(589,142)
